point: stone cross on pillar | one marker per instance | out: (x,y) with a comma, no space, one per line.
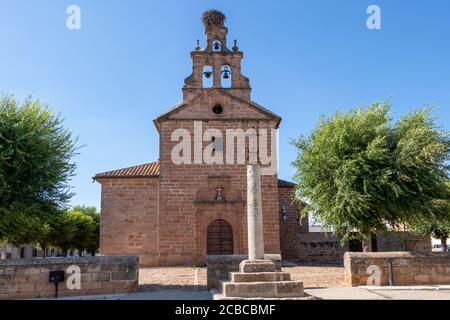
(258,278)
(254,213)
(219,196)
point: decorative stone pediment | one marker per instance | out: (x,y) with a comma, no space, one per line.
(217,189)
(201,108)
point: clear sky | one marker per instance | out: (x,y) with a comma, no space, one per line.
(127,64)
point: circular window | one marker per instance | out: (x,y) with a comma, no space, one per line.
(218,109)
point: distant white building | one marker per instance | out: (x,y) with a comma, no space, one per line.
(315,225)
(11,252)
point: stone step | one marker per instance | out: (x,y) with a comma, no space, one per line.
(278,289)
(219,296)
(252,266)
(259,277)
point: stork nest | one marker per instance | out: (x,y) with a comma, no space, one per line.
(213,18)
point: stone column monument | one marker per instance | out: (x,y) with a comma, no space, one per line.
(257,277)
(254,214)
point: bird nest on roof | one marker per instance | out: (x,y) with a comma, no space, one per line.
(213,18)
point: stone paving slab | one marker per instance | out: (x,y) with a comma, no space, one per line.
(414,294)
(397,288)
(382,293)
(346,293)
(154,295)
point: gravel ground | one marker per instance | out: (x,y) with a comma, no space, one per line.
(326,276)
(185,278)
(176,278)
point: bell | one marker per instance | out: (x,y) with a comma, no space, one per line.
(226,73)
(208,74)
(216,46)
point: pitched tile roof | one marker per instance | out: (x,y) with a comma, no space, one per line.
(151,170)
(285,184)
(147,170)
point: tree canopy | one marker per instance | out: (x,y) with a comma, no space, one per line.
(438,224)
(36,165)
(360,171)
(78,228)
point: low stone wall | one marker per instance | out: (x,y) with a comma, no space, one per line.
(219,267)
(29,278)
(408,268)
(320,247)
(403,241)
(327,248)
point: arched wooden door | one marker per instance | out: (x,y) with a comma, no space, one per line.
(220,238)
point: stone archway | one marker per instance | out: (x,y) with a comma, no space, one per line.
(220,238)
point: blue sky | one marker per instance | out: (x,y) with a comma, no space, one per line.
(127,64)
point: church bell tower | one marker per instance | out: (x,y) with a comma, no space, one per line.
(216,66)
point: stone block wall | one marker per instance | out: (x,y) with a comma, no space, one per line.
(29,278)
(291,225)
(188,202)
(219,267)
(129,220)
(408,268)
(326,247)
(403,241)
(320,247)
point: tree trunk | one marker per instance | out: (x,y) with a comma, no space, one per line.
(44,247)
(367,242)
(444,244)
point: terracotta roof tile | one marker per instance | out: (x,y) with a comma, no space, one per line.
(285,184)
(147,170)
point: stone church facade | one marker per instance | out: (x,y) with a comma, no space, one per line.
(175,214)
(172,213)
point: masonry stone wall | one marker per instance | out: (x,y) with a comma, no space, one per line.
(219,267)
(403,241)
(233,109)
(291,225)
(326,247)
(164,220)
(130,218)
(29,278)
(408,268)
(188,202)
(320,247)
(297,243)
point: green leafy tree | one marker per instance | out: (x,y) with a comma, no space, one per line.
(438,224)
(362,173)
(86,221)
(93,242)
(63,231)
(36,165)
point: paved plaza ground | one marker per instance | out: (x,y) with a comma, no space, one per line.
(342,293)
(320,281)
(185,278)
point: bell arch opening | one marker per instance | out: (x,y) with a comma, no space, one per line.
(216,46)
(208,77)
(226,76)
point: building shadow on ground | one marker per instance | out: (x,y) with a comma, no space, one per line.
(297,263)
(160,287)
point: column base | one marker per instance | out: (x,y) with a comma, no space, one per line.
(252,266)
(258,279)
